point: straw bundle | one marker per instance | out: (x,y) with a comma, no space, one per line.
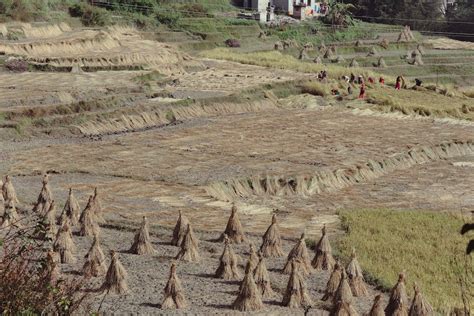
(116,277)
(323,259)
(189,247)
(397,303)
(296,294)
(384,43)
(174,294)
(10,216)
(381,63)
(328,54)
(48,228)
(420,49)
(141,243)
(317,60)
(417,61)
(322,48)
(72,209)
(343,293)
(3,31)
(303,54)
(228,269)
(262,279)
(180,229)
(358,43)
(299,254)
(271,244)
(234,230)
(52,267)
(373,52)
(249,297)
(8,190)
(278,45)
(419,305)
(88,225)
(95,260)
(97,206)
(333,283)
(44,198)
(339,59)
(377,307)
(354,63)
(253,257)
(356,278)
(343,309)
(64,244)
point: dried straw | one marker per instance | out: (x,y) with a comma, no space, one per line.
(44,198)
(189,247)
(97,205)
(88,225)
(397,303)
(116,277)
(48,228)
(354,63)
(234,229)
(296,294)
(72,209)
(180,229)
(333,283)
(52,267)
(64,244)
(95,260)
(10,216)
(271,244)
(323,260)
(377,307)
(142,243)
(249,298)
(174,294)
(8,190)
(356,278)
(419,305)
(343,293)
(228,269)
(299,254)
(343,309)
(253,257)
(262,279)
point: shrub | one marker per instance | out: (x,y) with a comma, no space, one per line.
(16,65)
(90,15)
(168,17)
(232,42)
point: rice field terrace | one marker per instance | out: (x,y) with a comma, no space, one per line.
(170,124)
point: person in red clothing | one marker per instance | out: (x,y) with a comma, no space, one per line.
(362,91)
(371,80)
(398,83)
(382,81)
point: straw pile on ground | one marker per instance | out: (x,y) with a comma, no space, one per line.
(97,206)
(142,243)
(52,267)
(380,63)
(253,257)
(384,43)
(87,220)
(419,305)
(377,307)
(333,283)
(323,259)
(271,244)
(328,54)
(44,31)
(95,260)
(116,277)
(317,60)
(358,43)
(64,244)
(343,298)
(180,229)
(303,54)
(420,49)
(228,269)
(356,278)
(278,45)
(234,230)
(48,228)
(296,294)
(397,303)
(249,298)
(10,216)
(174,294)
(417,61)
(354,63)
(299,255)
(72,209)
(189,247)
(262,279)
(8,190)
(44,198)
(373,52)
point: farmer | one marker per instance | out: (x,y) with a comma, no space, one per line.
(418,82)
(382,81)
(362,91)
(353,78)
(398,83)
(371,80)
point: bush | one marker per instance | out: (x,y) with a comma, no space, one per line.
(232,42)
(94,16)
(168,17)
(16,65)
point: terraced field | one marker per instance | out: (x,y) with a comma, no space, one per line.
(159,130)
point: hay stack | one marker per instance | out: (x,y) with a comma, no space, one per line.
(253,257)
(373,52)
(174,294)
(417,61)
(356,278)
(333,283)
(271,244)
(419,306)
(384,43)
(377,307)
(116,277)
(180,229)
(381,63)
(72,209)
(296,294)
(354,63)
(303,54)
(322,48)
(141,243)
(97,206)
(64,244)
(358,43)
(343,309)
(344,292)
(397,303)
(95,260)
(189,247)
(262,279)
(328,54)
(249,298)
(339,59)
(44,198)
(76,69)
(323,259)
(317,60)
(299,254)
(52,267)
(8,190)
(10,216)
(88,225)
(278,46)
(48,228)
(234,230)
(420,49)
(228,269)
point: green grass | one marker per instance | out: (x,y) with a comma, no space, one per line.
(424,244)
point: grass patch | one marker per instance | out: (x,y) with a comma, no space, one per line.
(424,244)
(316,88)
